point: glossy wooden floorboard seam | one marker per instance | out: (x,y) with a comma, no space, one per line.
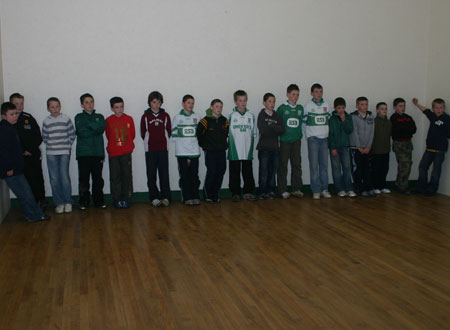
(378,263)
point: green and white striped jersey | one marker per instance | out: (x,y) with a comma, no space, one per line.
(242,135)
(184,134)
(316,116)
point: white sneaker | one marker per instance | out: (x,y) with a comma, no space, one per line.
(67,208)
(285,195)
(385,191)
(59,209)
(156,202)
(342,194)
(297,193)
(376,191)
(351,194)
(165,202)
(316,195)
(325,194)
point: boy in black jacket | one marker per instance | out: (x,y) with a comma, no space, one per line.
(12,164)
(212,134)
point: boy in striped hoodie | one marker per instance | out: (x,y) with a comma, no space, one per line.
(58,134)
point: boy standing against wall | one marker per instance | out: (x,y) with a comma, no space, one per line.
(290,143)
(316,116)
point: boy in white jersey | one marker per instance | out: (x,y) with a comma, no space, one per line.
(240,152)
(316,116)
(187,150)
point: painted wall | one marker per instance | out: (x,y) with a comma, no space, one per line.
(210,49)
(439,70)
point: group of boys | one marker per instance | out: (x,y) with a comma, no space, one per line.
(358,145)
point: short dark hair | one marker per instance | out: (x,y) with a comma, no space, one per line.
(398,100)
(292,87)
(188,97)
(155,95)
(339,101)
(53,99)
(379,104)
(361,98)
(267,95)
(85,96)
(6,107)
(239,93)
(438,101)
(216,101)
(316,86)
(15,96)
(114,100)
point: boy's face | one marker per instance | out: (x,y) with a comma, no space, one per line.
(188,105)
(88,104)
(382,110)
(19,103)
(438,109)
(340,109)
(155,104)
(241,102)
(293,96)
(269,104)
(11,116)
(317,94)
(118,109)
(54,108)
(216,109)
(400,108)
(362,106)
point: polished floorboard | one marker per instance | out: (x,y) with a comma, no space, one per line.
(377,263)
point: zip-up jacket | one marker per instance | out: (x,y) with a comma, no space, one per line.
(11,157)
(29,133)
(382,136)
(89,129)
(212,133)
(340,130)
(363,129)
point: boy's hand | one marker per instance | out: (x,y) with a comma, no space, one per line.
(26,153)
(415,101)
(342,116)
(361,149)
(10,173)
(367,150)
(334,153)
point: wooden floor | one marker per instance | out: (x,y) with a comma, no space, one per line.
(378,263)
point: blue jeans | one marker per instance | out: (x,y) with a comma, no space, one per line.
(318,163)
(20,187)
(268,167)
(340,166)
(437,158)
(58,171)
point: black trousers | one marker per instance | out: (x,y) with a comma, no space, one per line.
(90,167)
(247,175)
(189,181)
(216,165)
(380,168)
(361,171)
(34,176)
(158,163)
(121,178)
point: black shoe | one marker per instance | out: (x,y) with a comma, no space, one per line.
(101,206)
(43,204)
(216,200)
(45,217)
(82,206)
(236,198)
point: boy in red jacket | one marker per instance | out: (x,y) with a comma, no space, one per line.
(156,129)
(120,133)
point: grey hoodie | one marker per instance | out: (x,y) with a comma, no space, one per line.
(363,129)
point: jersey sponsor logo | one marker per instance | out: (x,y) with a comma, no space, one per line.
(293,123)
(242,128)
(188,131)
(439,122)
(286,112)
(320,120)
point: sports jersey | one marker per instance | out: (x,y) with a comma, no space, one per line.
(184,134)
(242,135)
(293,119)
(316,116)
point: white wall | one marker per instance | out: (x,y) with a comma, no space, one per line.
(439,69)
(209,49)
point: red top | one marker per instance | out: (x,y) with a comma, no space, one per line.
(156,129)
(120,134)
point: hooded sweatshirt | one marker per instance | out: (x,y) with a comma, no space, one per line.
(363,129)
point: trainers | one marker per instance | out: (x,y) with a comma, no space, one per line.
(82,207)
(216,200)
(45,217)
(101,206)
(351,194)
(165,202)
(316,195)
(59,209)
(262,196)
(236,198)
(189,202)
(125,204)
(271,195)
(67,208)
(376,191)
(365,194)
(156,202)
(297,193)
(285,195)
(325,194)
(209,200)
(342,194)
(196,201)
(386,191)
(117,205)
(249,197)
